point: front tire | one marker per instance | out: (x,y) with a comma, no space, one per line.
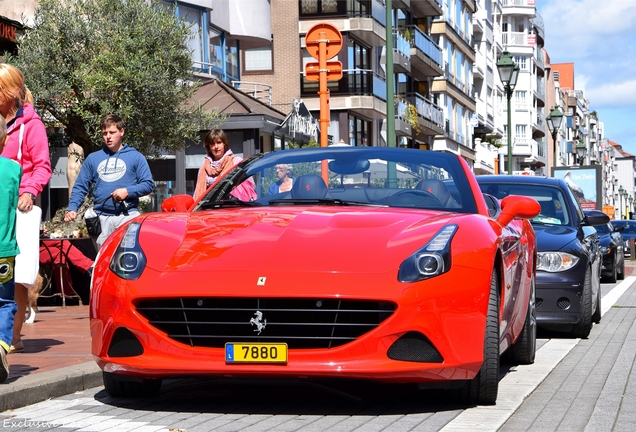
(482,390)
(584,326)
(525,347)
(123,386)
(596,318)
(621,271)
(614,276)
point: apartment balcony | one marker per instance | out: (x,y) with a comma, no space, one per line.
(540,92)
(403,126)
(252,26)
(539,28)
(430,117)
(519,7)
(425,8)
(515,39)
(259,91)
(485,158)
(353,17)
(540,60)
(523,147)
(478,69)
(454,87)
(401,53)
(359,90)
(426,55)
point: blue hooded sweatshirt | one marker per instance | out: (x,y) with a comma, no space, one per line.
(108,171)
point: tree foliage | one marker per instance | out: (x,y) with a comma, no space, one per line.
(83,59)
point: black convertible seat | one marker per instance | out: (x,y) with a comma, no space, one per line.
(439,190)
(309,186)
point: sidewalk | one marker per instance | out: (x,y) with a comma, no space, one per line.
(57,357)
(56,360)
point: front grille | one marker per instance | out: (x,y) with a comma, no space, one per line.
(301,323)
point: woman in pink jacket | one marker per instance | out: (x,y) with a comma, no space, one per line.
(29,145)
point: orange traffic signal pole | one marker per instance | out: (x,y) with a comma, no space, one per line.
(323,42)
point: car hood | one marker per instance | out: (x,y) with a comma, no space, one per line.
(554,237)
(300,239)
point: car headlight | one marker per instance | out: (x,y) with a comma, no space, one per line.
(129,261)
(432,260)
(556,261)
(604,249)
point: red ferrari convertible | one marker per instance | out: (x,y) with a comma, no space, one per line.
(371,263)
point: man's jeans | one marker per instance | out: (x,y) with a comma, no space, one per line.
(8,307)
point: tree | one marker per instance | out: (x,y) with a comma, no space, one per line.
(83,59)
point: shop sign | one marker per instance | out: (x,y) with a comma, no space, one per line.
(301,121)
(8,32)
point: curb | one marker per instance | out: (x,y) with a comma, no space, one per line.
(39,387)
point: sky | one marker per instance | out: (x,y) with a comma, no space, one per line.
(599,37)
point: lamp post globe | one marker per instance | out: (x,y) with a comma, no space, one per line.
(508,73)
(554,120)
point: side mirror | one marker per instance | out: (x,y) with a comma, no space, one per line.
(595,218)
(177,203)
(518,207)
(618,228)
(494,207)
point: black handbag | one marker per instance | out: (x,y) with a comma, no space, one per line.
(93,226)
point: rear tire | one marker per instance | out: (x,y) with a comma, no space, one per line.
(584,326)
(524,349)
(482,390)
(124,386)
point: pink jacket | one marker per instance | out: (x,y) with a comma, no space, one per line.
(36,162)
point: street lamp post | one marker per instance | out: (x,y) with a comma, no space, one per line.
(618,208)
(508,73)
(554,120)
(580,151)
(621,191)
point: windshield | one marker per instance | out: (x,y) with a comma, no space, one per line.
(362,176)
(554,209)
(629,227)
(603,229)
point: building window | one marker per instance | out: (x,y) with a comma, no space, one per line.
(258,59)
(520,99)
(193,17)
(317,7)
(522,62)
(520,132)
(232,58)
(359,131)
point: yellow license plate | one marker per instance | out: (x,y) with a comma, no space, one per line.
(256,353)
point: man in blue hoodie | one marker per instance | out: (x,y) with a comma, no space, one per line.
(119,175)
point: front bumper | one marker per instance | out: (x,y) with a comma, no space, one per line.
(450,314)
(558,304)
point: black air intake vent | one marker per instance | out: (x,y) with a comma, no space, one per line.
(301,323)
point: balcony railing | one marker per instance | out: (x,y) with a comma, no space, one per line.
(514,38)
(401,44)
(261,92)
(348,9)
(426,108)
(518,2)
(354,82)
(424,43)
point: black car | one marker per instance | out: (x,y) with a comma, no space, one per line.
(568,294)
(628,233)
(612,245)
